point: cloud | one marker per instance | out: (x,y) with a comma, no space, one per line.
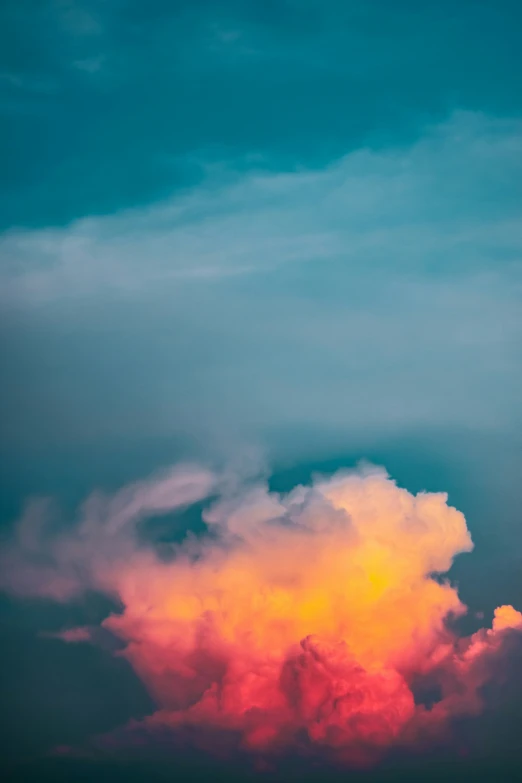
(40,561)
(307,620)
(394,273)
(506,617)
(449,202)
(91,64)
(76,19)
(71,635)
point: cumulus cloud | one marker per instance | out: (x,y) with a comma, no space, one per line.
(305,620)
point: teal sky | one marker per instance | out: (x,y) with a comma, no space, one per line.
(255,229)
(111,105)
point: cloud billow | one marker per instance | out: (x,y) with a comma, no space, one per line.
(304,621)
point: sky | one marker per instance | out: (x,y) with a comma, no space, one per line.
(245,244)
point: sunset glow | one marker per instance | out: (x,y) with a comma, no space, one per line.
(301,620)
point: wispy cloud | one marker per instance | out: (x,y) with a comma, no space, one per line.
(90,64)
(77,17)
(394,274)
(449,203)
(77,635)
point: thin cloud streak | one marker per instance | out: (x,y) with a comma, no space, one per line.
(450,202)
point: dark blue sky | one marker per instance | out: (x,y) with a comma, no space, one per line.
(286,228)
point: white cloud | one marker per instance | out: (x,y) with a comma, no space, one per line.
(382,292)
(449,203)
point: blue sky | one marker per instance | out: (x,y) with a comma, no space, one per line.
(289,229)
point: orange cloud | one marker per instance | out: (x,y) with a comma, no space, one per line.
(301,620)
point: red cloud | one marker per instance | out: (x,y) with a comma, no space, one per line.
(303,620)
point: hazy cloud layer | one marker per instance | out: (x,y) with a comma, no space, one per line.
(380,293)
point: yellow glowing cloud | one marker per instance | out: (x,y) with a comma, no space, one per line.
(308,614)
